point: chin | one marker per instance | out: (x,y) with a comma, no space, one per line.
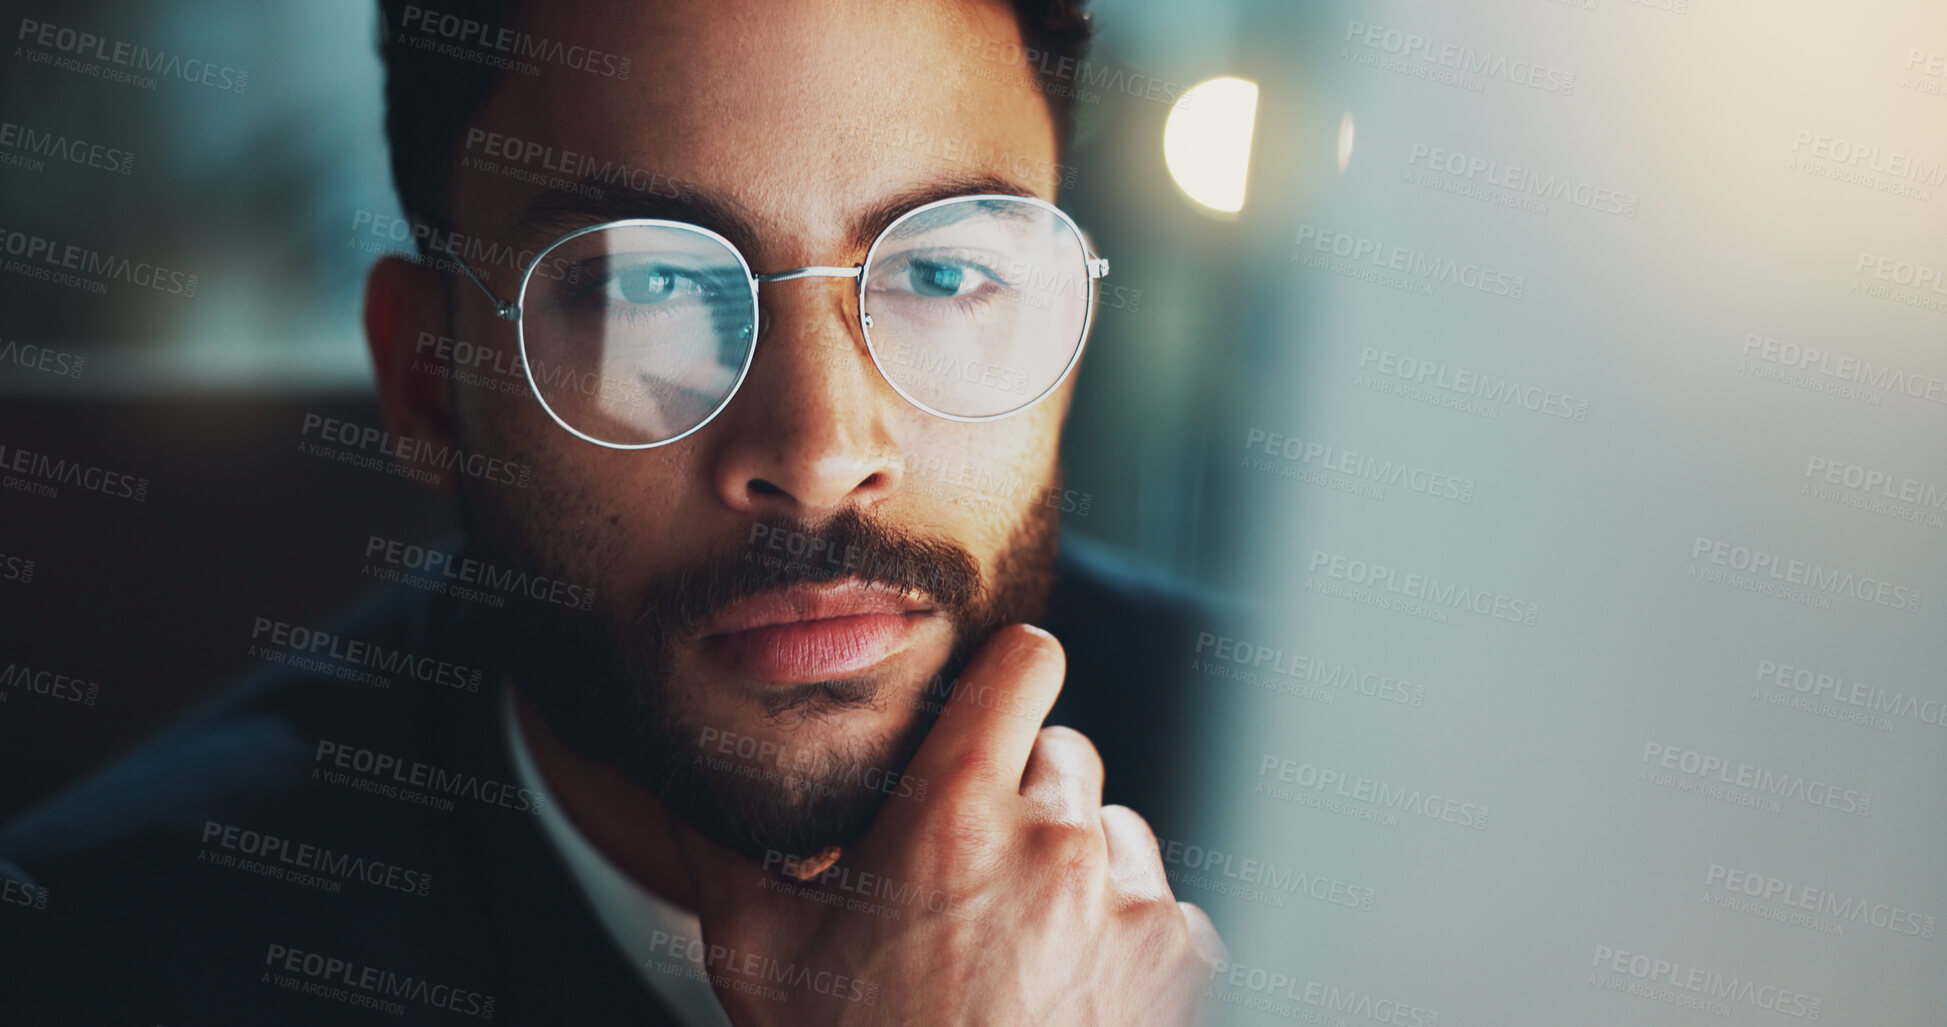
(795,769)
(761,788)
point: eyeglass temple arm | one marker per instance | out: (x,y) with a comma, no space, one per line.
(1098,267)
(507,311)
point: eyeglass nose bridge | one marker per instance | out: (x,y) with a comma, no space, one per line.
(813,271)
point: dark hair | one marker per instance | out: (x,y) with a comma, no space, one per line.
(429,95)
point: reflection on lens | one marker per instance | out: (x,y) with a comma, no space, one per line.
(643,335)
(977,307)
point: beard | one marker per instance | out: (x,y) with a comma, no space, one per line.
(606,681)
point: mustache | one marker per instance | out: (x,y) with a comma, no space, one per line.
(778,552)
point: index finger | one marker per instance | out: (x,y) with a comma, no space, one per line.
(988,726)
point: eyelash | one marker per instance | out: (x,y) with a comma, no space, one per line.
(590,290)
(977,300)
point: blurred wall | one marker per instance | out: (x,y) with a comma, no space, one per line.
(1592,477)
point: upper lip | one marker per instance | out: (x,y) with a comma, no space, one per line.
(808,603)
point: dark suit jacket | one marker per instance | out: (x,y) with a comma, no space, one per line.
(130,899)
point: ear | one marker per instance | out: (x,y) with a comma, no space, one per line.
(405,314)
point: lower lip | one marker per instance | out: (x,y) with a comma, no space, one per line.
(805,651)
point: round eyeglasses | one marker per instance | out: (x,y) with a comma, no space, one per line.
(639,332)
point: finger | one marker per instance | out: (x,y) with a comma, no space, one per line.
(981,742)
(1203,935)
(1135,861)
(1063,779)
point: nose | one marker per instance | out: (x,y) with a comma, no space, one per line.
(811,429)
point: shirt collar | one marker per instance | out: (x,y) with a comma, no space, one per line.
(662,939)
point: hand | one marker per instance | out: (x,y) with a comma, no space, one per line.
(1025,900)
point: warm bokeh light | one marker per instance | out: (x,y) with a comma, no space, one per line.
(1207,142)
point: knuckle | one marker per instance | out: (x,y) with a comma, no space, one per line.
(1065,840)
(1207,946)
(1123,818)
(1049,806)
(1058,832)
(1140,890)
(1059,734)
(1129,817)
(1068,753)
(1061,737)
(1159,933)
(970,768)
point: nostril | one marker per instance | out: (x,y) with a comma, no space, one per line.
(764,488)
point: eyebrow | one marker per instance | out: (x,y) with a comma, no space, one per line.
(874,219)
(586,203)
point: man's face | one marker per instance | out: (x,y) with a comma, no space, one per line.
(782,593)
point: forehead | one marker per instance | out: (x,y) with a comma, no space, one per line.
(802,113)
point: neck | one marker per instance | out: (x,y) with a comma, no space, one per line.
(624,822)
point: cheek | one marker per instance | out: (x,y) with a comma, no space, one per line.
(978,481)
(493,404)
(573,481)
(599,517)
(621,499)
(1024,447)
(603,519)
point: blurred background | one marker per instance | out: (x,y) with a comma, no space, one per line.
(1564,382)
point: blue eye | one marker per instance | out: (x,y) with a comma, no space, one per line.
(934,279)
(648,283)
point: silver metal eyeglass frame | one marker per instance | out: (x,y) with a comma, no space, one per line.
(1095,266)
